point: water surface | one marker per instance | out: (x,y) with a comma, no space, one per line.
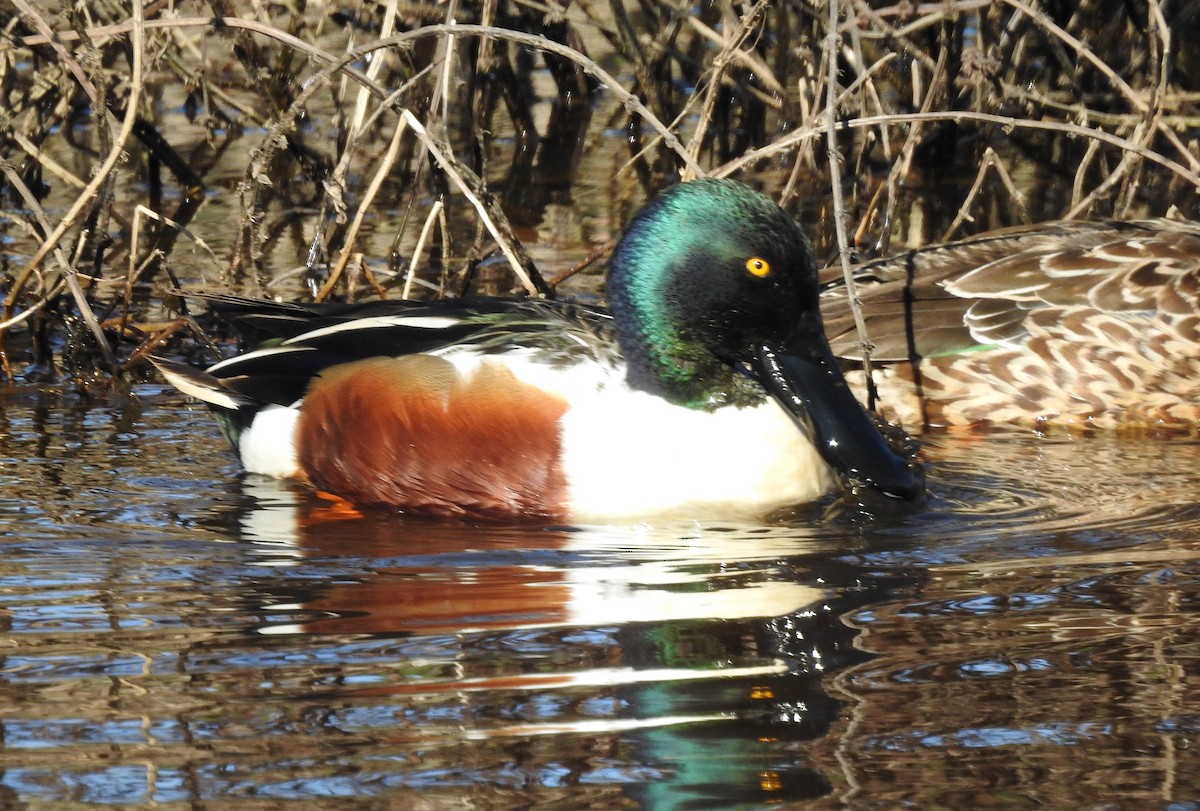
(177,634)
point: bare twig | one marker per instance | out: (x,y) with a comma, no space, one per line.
(730,51)
(343,64)
(832,42)
(1039,17)
(141,211)
(381,173)
(47,162)
(137,40)
(455,173)
(1128,164)
(815,129)
(435,212)
(990,161)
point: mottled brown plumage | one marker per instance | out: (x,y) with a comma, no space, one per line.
(1089,324)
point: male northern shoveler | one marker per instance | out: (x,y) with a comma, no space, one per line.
(507,408)
(1094,324)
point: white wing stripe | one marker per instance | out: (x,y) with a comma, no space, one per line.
(259,353)
(420,321)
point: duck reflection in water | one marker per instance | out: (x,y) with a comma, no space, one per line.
(697,654)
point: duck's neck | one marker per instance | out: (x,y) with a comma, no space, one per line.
(665,360)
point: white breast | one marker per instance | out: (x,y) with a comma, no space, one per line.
(635,454)
(627,453)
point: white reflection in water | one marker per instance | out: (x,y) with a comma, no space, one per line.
(602,575)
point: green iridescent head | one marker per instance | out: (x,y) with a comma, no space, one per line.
(703,273)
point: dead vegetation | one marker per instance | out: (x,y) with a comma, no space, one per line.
(413,149)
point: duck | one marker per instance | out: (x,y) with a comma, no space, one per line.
(706,388)
(1071,324)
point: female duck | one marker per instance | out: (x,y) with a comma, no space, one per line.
(1090,324)
(709,387)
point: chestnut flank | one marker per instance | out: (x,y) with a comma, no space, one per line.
(411,432)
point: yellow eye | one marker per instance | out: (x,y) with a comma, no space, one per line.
(757,266)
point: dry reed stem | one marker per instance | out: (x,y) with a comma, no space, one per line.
(1135,100)
(456,174)
(923,101)
(156,340)
(628,43)
(990,161)
(1040,18)
(91,191)
(1129,162)
(852,33)
(900,36)
(48,163)
(1090,154)
(592,258)
(730,47)
(941,9)
(839,207)
(817,128)
(336,182)
(335,185)
(341,64)
(377,180)
(446,46)
(629,100)
(435,212)
(444,228)
(55,41)
(256,169)
(20,317)
(141,211)
(360,104)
